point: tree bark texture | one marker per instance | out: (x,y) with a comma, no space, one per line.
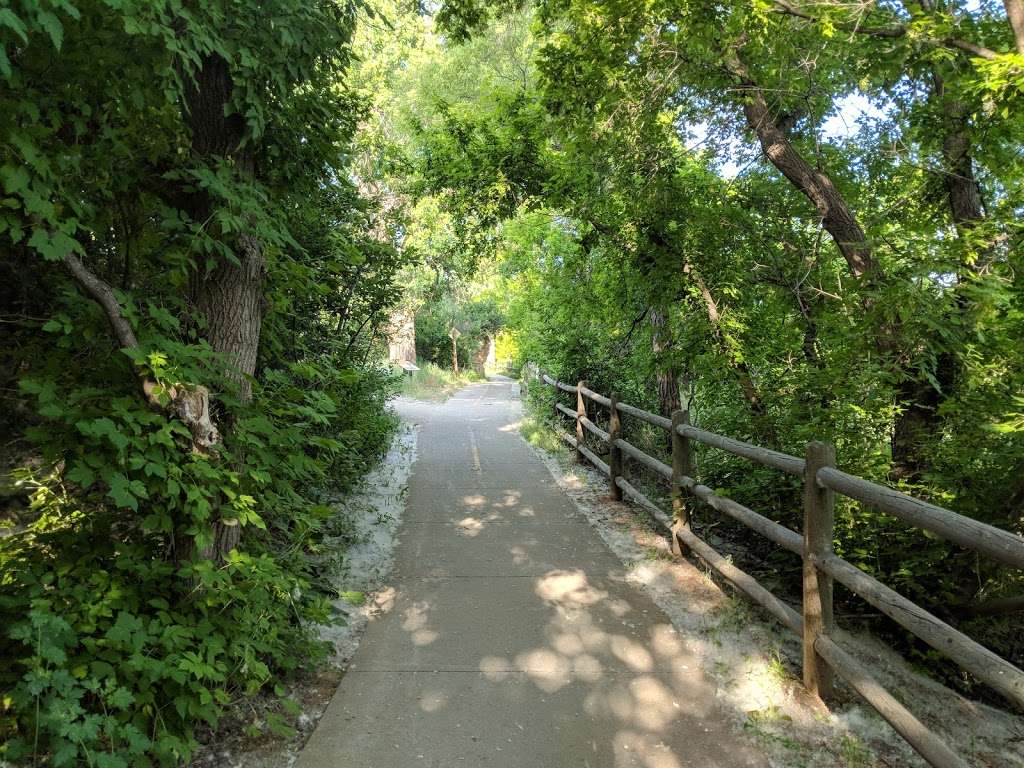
(1015,13)
(666,374)
(230,295)
(836,216)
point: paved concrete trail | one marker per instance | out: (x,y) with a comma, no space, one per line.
(512,639)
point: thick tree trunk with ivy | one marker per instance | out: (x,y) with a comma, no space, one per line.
(230,295)
(231,299)
(665,373)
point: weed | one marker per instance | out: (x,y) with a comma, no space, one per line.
(433,383)
(539,435)
(353,597)
(765,725)
(854,753)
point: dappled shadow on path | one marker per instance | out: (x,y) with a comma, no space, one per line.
(511,637)
(585,670)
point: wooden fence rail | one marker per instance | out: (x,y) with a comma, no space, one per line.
(823,657)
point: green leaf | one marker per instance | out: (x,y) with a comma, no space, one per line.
(104,428)
(81,475)
(121,492)
(15,178)
(121,698)
(55,246)
(11,21)
(127,630)
(279,727)
(51,24)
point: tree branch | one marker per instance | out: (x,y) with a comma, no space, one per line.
(103,295)
(191,404)
(816,185)
(893,32)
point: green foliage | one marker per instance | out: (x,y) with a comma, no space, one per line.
(538,433)
(606,185)
(432,382)
(126,627)
(477,320)
(115,642)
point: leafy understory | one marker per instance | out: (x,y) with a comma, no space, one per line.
(270,732)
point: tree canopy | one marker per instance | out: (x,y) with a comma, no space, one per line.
(799,219)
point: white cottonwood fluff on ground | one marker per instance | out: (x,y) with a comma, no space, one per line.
(375,512)
(372,512)
(755,663)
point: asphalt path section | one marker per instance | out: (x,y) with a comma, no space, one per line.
(509,637)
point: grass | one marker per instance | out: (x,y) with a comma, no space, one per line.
(854,753)
(436,384)
(539,435)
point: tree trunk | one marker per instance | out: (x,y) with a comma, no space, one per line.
(230,295)
(836,216)
(231,299)
(666,374)
(961,186)
(1015,13)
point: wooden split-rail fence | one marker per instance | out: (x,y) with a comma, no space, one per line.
(822,656)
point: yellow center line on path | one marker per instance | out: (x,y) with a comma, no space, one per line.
(474,450)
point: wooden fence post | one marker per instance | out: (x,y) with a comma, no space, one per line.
(581,413)
(615,453)
(682,466)
(819,522)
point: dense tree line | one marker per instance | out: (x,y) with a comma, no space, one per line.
(677,217)
(211,209)
(193,299)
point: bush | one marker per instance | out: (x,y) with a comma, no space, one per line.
(119,636)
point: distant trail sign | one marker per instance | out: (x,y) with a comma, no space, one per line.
(454,333)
